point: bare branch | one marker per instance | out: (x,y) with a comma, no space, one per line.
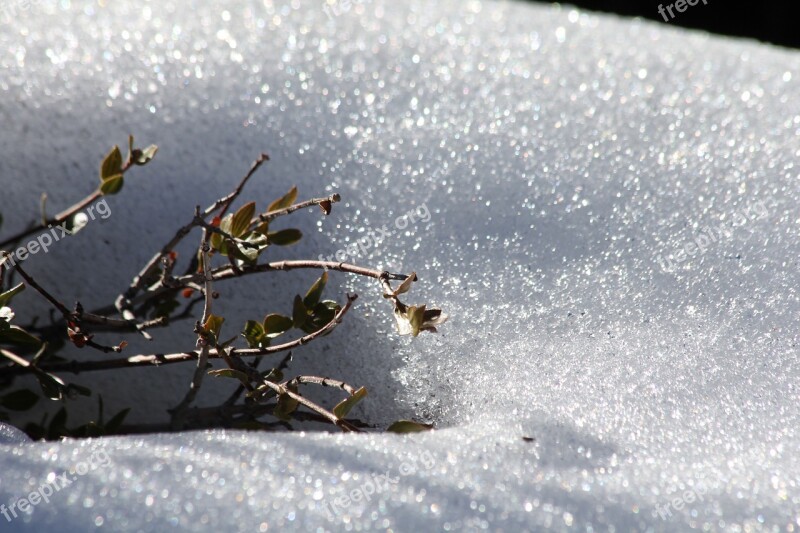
(282,389)
(270,215)
(325,382)
(76,367)
(202,341)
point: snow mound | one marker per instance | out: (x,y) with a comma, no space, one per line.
(612,226)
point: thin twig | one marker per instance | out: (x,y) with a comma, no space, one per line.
(270,215)
(202,339)
(56,220)
(226,202)
(325,382)
(76,367)
(226,272)
(282,389)
(32,282)
(124,302)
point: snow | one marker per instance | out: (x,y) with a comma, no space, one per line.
(562,156)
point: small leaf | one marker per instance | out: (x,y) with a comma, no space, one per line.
(432,318)
(275,325)
(283,202)
(114,424)
(253,333)
(299,312)
(112,164)
(6,297)
(226,223)
(17,335)
(217,240)
(286,405)
(315,292)
(142,157)
(112,185)
(20,400)
(52,386)
(242,253)
(416,317)
(325,311)
(409,426)
(285,237)
(241,220)
(213,325)
(326,206)
(343,408)
(230,373)
(401,316)
(405,286)
(262,228)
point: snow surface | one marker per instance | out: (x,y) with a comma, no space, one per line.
(562,157)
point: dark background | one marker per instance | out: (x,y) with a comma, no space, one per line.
(774,21)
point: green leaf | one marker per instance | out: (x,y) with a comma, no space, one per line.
(112,185)
(344,407)
(217,240)
(20,400)
(229,373)
(275,375)
(213,325)
(226,223)
(286,405)
(114,424)
(52,387)
(299,312)
(253,333)
(409,426)
(6,297)
(17,335)
(285,237)
(112,164)
(241,219)
(285,201)
(325,311)
(142,157)
(242,253)
(262,228)
(275,325)
(315,292)
(416,317)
